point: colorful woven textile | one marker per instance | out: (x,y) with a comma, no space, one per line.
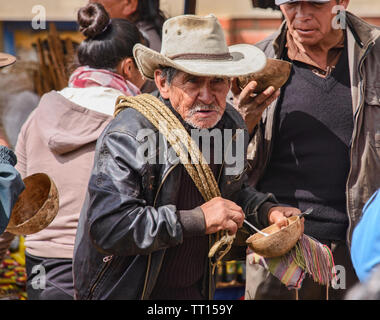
(307,257)
(13,274)
(283,268)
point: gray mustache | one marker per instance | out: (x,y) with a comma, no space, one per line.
(198,107)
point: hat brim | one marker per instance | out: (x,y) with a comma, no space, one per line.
(245,59)
(6,59)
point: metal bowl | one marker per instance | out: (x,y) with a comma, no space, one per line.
(36,206)
(279,241)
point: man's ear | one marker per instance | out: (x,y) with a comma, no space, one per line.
(130,7)
(161,84)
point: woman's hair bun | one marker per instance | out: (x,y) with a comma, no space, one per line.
(93,20)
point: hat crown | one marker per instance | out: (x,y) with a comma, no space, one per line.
(189,34)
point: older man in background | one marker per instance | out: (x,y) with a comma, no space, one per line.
(317,145)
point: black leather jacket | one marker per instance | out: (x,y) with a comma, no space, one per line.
(129,217)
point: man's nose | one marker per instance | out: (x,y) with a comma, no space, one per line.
(302,10)
(206,94)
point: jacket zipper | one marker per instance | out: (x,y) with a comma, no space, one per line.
(356,115)
(107,260)
(150,255)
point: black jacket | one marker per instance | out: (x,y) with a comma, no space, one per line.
(129,217)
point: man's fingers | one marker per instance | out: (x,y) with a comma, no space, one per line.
(260,101)
(246,93)
(288,212)
(231,227)
(265,95)
(222,214)
(234,212)
(273,97)
(232,205)
(282,222)
(237,217)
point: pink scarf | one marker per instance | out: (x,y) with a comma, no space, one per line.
(84,77)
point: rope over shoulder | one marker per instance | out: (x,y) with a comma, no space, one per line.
(197,167)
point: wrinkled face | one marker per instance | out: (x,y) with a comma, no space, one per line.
(311,22)
(201,101)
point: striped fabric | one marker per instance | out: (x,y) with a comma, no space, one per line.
(283,268)
(84,77)
(308,257)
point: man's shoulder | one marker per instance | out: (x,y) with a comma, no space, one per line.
(365,31)
(267,42)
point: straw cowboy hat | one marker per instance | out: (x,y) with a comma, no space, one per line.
(196,45)
(6,59)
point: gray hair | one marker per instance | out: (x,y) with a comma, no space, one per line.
(168,73)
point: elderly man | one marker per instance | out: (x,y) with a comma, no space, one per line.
(147,225)
(11,184)
(318,144)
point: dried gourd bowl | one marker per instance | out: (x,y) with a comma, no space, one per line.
(275,73)
(36,206)
(279,241)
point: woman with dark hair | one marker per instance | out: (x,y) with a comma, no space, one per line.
(59,139)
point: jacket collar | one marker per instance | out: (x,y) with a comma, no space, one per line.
(363,32)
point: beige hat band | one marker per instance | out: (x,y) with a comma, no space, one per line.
(201,56)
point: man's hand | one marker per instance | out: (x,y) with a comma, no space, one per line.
(279,215)
(252,106)
(222,214)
